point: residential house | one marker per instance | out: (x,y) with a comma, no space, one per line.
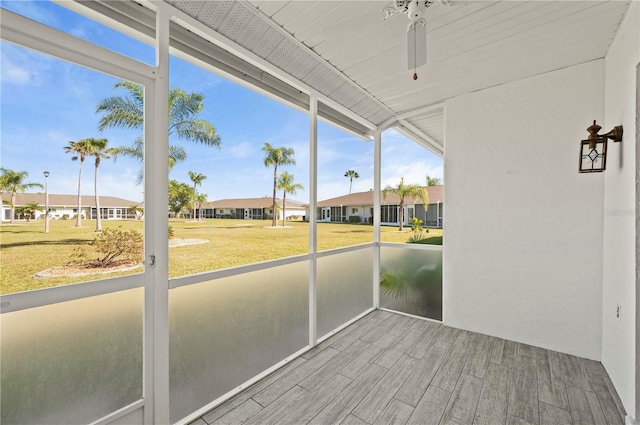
(252,209)
(358,208)
(66,206)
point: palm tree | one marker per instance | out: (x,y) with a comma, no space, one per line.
(13,182)
(403,190)
(433,181)
(197,179)
(128,112)
(199,199)
(287,185)
(136,210)
(276,157)
(29,210)
(99,151)
(177,154)
(79,150)
(352,175)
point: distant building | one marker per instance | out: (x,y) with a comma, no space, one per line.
(66,206)
(252,209)
(358,207)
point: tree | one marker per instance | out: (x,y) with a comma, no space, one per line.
(197,179)
(99,151)
(433,181)
(180,196)
(352,175)
(177,154)
(136,210)
(287,185)
(13,182)
(28,210)
(402,190)
(128,112)
(276,157)
(199,199)
(79,150)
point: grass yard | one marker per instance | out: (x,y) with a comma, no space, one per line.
(25,249)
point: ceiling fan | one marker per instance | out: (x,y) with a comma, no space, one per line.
(416,30)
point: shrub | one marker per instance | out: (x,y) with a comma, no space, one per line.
(416,224)
(171,233)
(354,219)
(114,243)
(65,216)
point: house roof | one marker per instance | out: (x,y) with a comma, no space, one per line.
(57,200)
(435,193)
(263,202)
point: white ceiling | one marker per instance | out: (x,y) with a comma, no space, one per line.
(346,51)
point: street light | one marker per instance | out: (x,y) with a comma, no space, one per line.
(46,203)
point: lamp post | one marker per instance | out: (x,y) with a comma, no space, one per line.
(46,203)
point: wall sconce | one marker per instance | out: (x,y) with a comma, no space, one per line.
(593,151)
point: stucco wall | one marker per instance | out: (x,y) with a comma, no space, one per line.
(512,268)
(618,334)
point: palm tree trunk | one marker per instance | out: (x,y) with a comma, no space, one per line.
(13,207)
(193,217)
(78,219)
(274,217)
(284,208)
(95,191)
(350,183)
(401,215)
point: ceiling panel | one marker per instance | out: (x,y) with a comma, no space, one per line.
(471,46)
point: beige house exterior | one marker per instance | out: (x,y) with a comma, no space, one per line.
(252,209)
(358,208)
(66,206)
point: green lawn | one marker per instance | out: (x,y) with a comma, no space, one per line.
(25,249)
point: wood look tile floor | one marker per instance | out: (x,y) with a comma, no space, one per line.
(387,368)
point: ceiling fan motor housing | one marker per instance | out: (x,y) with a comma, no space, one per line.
(417,8)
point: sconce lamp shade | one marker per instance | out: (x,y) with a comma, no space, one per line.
(593,159)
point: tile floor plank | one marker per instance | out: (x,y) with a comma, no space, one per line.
(574,373)
(325,372)
(388,358)
(272,413)
(551,388)
(428,337)
(381,394)
(353,420)
(552,415)
(414,387)
(317,400)
(291,379)
(240,414)
(478,360)
(396,413)
(494,399)
(341,406)
(368,356)
(464,400)
(582,405)
(240,398)
(523,395)
(431,407)
(448,374)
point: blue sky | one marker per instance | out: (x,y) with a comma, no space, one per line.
(46,102)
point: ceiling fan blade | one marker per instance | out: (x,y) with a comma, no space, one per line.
(416,45)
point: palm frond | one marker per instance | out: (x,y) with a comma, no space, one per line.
(394,284)
(199,131)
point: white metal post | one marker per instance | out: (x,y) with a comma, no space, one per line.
(156,230)
(377,155)
(46,202)
(313,219)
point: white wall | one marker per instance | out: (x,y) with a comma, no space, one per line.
(523,232)
(618,334)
